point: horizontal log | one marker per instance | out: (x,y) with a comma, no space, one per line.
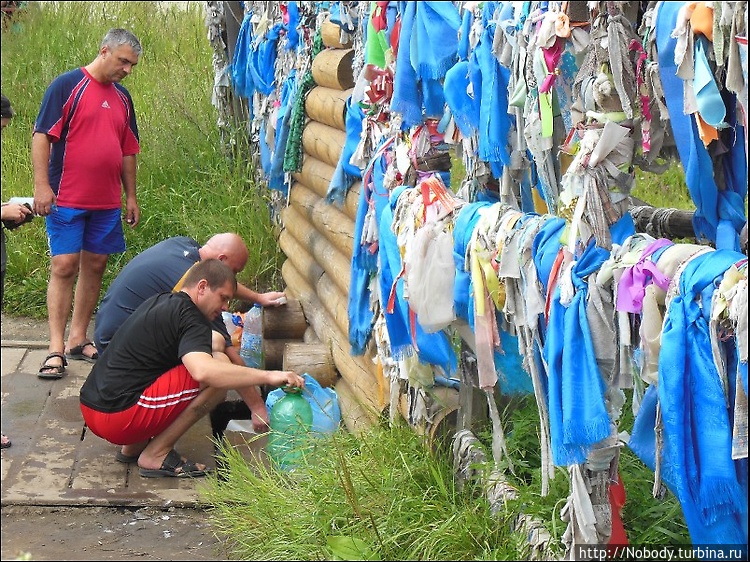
(315,174)
(323,142)
(334,68)
(310,336)
(284,322)
(303,261)
(351,203)
(356,416)
(355,369)
(331,35)
(327,106)
(336,304)
(325,254)
(663,222)
(273,352)
(325,217)
(315,359)
(442,408)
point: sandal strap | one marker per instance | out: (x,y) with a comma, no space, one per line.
(55,354)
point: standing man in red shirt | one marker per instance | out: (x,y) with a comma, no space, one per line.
(83,153)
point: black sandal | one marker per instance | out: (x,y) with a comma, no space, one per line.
(53,371)
(78,354)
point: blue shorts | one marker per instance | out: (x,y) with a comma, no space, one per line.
(71,230)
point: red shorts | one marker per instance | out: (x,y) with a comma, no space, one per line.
(155,410)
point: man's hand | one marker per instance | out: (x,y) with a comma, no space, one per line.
(15,212)
(45,200)
(260,421)
(272,298)
(286,378)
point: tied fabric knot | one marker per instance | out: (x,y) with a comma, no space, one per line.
(631,288)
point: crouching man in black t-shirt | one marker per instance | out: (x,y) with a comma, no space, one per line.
(159,375)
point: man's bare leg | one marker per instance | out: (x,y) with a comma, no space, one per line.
(251,396)
(63,271)
(159,447)
(89,285)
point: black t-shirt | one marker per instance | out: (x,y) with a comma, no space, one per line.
(150,342)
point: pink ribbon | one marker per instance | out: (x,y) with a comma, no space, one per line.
(632,285)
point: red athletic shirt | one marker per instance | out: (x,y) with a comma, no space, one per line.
(92,126)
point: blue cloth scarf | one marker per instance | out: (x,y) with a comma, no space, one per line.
(490,86)
(276,179)
(345,173)
(577,409)
(262,61)
(427,49)
(364,262)
(697,429)
(241,81)
(719,214)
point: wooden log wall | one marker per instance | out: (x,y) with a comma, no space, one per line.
(317,238)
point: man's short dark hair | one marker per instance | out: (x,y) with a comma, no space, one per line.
(6,110)
(214,271)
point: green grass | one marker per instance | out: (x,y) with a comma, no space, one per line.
(186,185)
(381,495)
(384,495)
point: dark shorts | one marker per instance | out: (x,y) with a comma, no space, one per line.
(71,230)
(155,410)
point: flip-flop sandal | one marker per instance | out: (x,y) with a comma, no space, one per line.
(174,467)
(53,371)
(77,353)
(127,459)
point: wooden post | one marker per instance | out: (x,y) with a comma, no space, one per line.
(663,223)
(312,358)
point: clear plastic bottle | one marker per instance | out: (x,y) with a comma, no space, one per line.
(251,348)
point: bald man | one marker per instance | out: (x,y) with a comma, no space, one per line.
(161,268)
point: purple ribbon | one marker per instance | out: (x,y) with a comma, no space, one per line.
(632,285)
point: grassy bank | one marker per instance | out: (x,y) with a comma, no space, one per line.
(185,184)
